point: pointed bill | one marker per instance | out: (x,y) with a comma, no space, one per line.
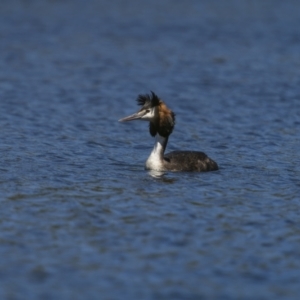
(135,116)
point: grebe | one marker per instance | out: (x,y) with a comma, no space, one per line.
(161,123)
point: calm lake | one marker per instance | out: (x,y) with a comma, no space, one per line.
(80,218)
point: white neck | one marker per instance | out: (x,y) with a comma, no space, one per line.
(156,158)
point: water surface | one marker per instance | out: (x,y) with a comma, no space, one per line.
(80,218)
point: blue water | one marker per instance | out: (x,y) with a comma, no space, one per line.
(80,218)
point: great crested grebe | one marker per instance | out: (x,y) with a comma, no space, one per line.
(161,123)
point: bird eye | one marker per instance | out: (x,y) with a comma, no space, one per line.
(147,110)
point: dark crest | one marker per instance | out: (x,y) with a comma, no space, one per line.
(147,100)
